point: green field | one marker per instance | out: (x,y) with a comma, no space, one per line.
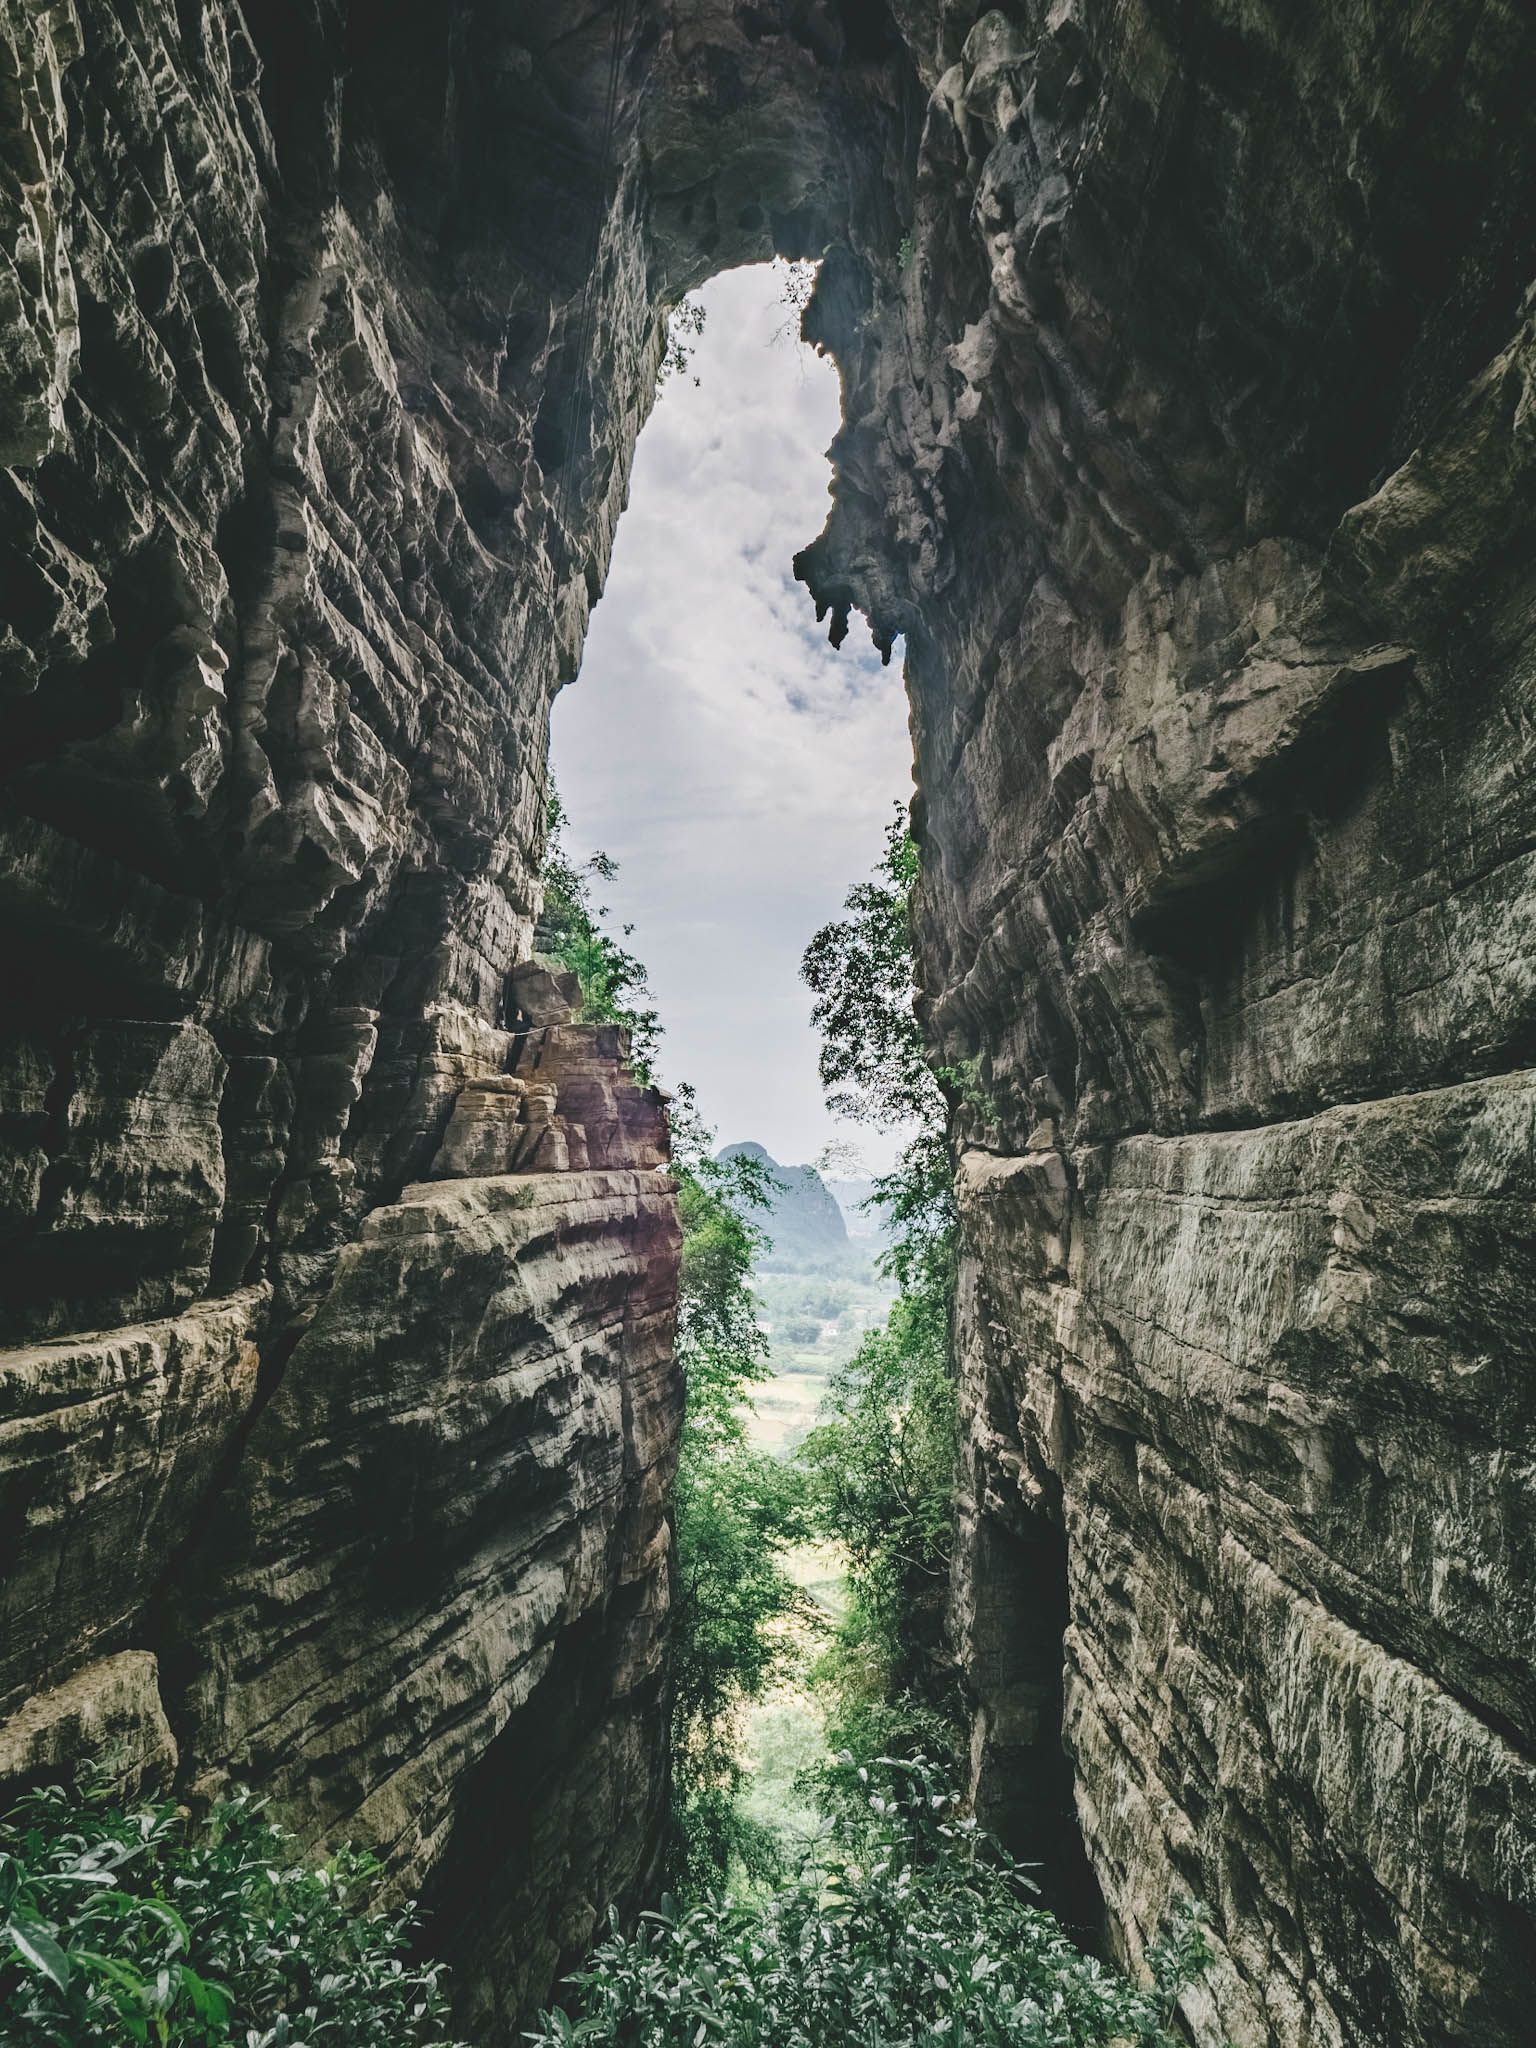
(815,1323)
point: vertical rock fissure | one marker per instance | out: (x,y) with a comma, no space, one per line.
(1015,1665)
(1186,378)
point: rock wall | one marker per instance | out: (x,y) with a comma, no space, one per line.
(1196,460)
(337,1266)
(1186,356)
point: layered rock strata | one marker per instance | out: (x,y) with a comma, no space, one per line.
(337,1265)
(408,1575)
(1186,358)
(1195,459)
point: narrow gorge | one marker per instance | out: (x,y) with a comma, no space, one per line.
(1187,352)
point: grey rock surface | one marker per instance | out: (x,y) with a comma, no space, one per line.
(337,1264)
(1187,357)
(1194,461)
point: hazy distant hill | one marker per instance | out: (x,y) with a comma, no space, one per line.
(865,1225)
(804,1221)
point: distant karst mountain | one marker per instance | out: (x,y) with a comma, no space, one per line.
(865,1225)
(803,1220)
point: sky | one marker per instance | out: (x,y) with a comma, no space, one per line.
(739,770)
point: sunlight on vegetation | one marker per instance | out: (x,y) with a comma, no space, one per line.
(908,1926)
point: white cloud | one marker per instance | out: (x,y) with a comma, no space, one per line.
(739,769)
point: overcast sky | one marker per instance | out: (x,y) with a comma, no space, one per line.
(738,769)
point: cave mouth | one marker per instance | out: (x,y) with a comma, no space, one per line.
(740,766)
(739,769)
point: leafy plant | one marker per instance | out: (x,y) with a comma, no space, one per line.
(873,1062)
(142,1926)
(881,1461)
(736,1511)
(613,981)
(685,323)
(913,1927)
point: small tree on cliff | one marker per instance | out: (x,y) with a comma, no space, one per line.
(882,1459)
(613,982)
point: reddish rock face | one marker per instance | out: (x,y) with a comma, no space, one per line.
(1186,369)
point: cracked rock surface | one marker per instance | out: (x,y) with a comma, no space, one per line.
(1187,357)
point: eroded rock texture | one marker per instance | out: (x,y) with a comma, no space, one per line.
(1187,360)
(338,1264)
(1196,457)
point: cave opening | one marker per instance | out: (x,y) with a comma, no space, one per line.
(1017,1665)
(736,763)
(738,769)
(1185,438)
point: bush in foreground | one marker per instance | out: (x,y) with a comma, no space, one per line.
(145,1927)
(914,1929)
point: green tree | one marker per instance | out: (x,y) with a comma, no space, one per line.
(873,1063)
(736,1511)
(882,1470)
(882,1458)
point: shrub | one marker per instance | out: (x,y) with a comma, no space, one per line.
(146,1927)
(914,1929)
(613,984)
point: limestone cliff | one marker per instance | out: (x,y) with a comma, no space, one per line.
(1195,457)
(1186,356)
(338,1271)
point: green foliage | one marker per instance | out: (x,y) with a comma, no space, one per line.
(873,1062)
(917,1198)
(736,1511)
(882,1467)
(685,325)
(913,1928)
(143,1927)
(720,1344)
(869,1733)
(882,1460)
(613,981)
